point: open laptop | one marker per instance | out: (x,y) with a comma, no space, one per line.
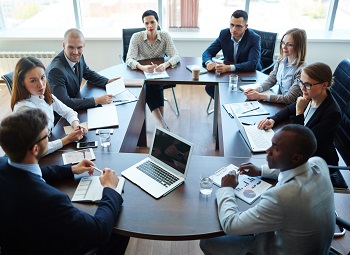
(166,166)
(258,140)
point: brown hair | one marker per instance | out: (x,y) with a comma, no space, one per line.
(300,44)
(19,91)
(319,72)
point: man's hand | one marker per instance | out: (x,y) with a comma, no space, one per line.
(210,66)
(229,180)
(249,169)
(105,99)
(222,68)
(109,178)
(83,166)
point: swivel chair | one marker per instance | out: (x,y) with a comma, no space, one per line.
(8,78)
(267,43)
(127,34)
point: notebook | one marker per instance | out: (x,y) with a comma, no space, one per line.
(90,189)
(102,117)
(202,71)
(249,108)
(74,157)
(167,163)
(116,87)
(249,188)
(258,140)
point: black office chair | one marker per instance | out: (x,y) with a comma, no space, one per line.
(127,34)
(8,78)
(340,90)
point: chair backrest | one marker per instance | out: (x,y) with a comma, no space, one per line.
(341,93)
(8,78)
(268,42)
(127,33)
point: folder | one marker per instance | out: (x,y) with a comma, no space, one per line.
(102,117)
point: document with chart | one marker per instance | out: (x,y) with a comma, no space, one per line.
(249,108)
(90,189)
(249,188)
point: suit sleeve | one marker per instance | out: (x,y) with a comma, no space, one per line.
(58,84)
(93,77)
(254,54)
(284,114)
(55,173)
(212,50)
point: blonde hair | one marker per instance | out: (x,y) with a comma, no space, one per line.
(299,44)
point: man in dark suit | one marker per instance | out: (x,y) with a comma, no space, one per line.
(36,218)
(68,68)
(240,46)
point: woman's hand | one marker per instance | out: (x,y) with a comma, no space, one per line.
(266,124)
(301,104)
(252,94)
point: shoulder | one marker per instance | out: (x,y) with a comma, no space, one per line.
(251,35)
(23,103)
(225,32)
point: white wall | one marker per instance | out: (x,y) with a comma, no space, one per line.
(103,53)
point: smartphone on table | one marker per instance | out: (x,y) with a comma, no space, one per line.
(92,144)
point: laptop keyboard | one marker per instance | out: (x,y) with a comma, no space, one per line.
(258,136)
(157,173)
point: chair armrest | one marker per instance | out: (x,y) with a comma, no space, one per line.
(268,67)
(342,223)
(339,167)
(121,59)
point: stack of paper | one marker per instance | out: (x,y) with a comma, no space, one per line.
(250,108)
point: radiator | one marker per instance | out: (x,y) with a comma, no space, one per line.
(8,60)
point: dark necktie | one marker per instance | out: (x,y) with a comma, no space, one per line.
(76,69)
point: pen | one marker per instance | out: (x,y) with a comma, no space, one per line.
(97,169)
(121,100)
(152,63)
(256,108)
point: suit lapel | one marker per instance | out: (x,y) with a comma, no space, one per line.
(319,111)
(70,71)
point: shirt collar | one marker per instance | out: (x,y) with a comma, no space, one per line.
(233,39)
(285,176)
(145,36)
(31,168)
(71,64)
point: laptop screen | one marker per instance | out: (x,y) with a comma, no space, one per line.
(170,150)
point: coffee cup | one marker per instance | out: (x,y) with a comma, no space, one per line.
(195,72)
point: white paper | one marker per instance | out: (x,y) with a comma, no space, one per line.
(116,87)
(156,75)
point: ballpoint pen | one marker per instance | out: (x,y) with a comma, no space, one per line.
(256,108)
(97,169)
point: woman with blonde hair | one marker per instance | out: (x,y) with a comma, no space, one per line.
(31,90)
(286,70)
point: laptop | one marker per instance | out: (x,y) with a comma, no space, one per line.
(258,140)
(166,166)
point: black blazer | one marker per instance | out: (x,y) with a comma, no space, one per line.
(36,218)
(65,85)
(323,123)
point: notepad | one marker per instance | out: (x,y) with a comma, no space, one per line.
(90,189)
(250,108)
(249,188)
(123,98)
(102,117)
(74,157)
(156,75)
(116,87)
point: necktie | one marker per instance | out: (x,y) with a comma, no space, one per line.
(76,69)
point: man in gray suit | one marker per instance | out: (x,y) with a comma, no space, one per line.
(68,68)
(294,217)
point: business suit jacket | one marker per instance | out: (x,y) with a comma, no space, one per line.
(323,123)
(65,84)
(248,53)
(294,217)
(36,218)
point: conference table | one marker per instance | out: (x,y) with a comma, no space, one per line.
(183,214)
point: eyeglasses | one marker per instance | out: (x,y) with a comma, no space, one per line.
(38,141)
(288,45)
(307,85)
(238,26)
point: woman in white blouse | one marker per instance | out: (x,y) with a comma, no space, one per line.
(286,70)
(30,89)
(152,43)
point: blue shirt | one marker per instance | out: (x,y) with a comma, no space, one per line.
(285,75)
(31,168)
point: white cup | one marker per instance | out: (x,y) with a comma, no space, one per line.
(233,82)
(105,138)
(206,184)
(195,72)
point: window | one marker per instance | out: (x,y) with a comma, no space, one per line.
(38,14)
(114,15)
(342,18)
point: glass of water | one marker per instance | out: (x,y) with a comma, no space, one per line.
(105,138)
(233,82)
(206,184)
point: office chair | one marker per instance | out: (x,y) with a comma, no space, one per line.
(8,78)
(343,225)
(267,43)
(127,34)
(340,91)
